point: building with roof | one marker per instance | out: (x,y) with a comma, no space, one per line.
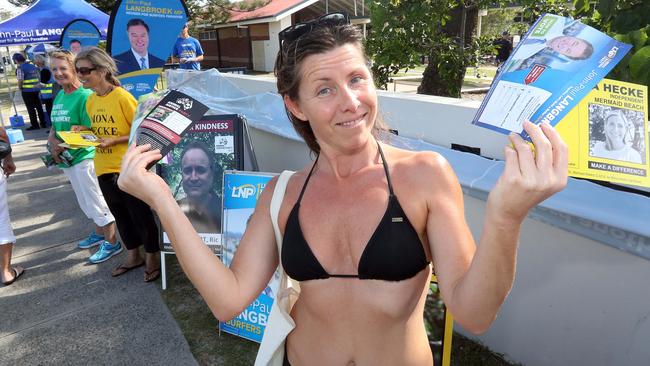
(250,39)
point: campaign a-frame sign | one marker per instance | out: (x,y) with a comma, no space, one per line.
(194,168)
(241,191)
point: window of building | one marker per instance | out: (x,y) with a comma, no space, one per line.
(208,35)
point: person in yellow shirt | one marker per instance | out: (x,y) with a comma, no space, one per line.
(111,109)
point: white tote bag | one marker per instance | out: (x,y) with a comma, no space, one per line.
(280,323)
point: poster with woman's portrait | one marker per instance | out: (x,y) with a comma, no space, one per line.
(616,133)
(194,172)
(607,134)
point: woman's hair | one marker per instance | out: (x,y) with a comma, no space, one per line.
(18,57)
(66,56)
(322,38)
(40,59)
(101,60)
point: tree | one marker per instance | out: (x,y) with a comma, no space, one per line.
(405,31)
(627,21)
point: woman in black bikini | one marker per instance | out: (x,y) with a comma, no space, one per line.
(362,223)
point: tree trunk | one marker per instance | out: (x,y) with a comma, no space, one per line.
(434,81)
(447,79)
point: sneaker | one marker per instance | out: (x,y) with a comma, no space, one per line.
(105,252)
(91,241)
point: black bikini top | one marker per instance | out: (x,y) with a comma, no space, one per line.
(393,253)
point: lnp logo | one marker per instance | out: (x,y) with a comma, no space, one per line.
(243,191)
(185,102)
(608,58)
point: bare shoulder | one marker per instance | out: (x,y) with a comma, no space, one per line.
(424,171)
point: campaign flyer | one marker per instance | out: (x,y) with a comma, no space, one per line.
(241,191)
(78,139)
(553,67)
(193,170)
(164,126)
(607,134)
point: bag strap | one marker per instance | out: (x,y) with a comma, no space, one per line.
(276,202)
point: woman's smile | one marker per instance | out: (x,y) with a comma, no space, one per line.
(353,123)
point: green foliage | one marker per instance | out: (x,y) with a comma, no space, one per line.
(533,9)
(627,21)
(21,2)
(219,11)
(5,15)
(406,31)
(499,20)
(401,34)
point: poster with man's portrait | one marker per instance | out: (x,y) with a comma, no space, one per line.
(194,172)
(79,33)
(141,37)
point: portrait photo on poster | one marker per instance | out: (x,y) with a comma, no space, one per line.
(141,36)
(79,33)
(557,43)
(194,168)
(617,134)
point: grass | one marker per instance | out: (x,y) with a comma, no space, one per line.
(209,348)
(199,325)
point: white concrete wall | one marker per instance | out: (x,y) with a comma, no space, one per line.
(259,55)
(271,47)
(575,301)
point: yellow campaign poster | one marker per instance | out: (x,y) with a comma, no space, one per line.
(607,134)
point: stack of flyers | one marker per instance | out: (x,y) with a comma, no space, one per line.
(555,65)
(164,126)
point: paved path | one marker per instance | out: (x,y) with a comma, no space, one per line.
(65,311)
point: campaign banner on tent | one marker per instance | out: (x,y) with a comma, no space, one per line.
(241,191)
(44,21)
(79,33)
(607,134)
(132,27)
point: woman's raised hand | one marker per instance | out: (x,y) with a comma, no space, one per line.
(530,176)
(136,180)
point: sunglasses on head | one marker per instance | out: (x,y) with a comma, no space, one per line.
(297,30)
(85,70)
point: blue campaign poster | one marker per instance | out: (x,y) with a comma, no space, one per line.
(79,33)
(133,26)
(241,191)
(555,65)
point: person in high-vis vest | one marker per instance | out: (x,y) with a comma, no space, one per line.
(46,79)
(28,76)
